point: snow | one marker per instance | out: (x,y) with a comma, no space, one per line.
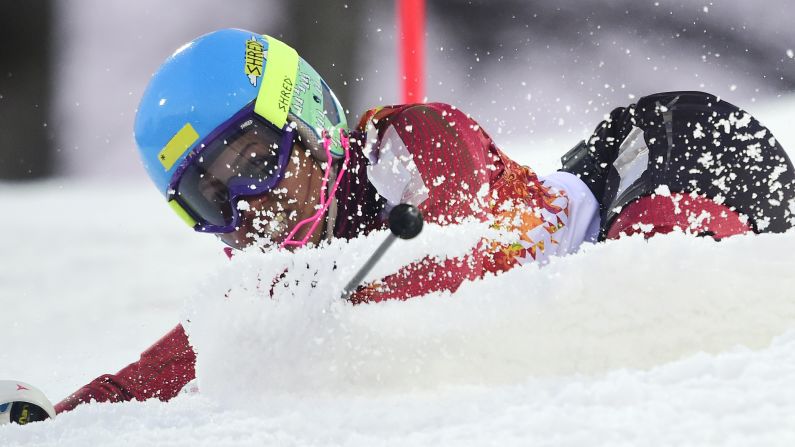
(737,398)
(677,340)
(612,313)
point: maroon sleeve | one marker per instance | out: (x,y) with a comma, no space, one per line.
(454,156)
(161,372)
(423,277)
(458,163)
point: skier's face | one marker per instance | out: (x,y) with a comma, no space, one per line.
(267,219)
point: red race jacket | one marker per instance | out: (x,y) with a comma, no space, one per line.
(439,159)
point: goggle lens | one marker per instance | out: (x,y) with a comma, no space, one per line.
(247,159)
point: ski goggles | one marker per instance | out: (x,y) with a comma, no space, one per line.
(246,156)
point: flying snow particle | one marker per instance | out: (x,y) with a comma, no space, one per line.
(663,190)
(698,132)
(790,53)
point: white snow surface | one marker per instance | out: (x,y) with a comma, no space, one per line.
(671,341)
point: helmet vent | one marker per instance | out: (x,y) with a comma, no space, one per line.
(329,106)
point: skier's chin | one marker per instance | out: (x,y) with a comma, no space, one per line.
(263,229)
(257,239)
(266,241)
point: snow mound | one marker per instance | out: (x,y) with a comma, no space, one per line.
(736,398)
(628,304)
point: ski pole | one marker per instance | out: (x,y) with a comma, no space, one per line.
(405,222)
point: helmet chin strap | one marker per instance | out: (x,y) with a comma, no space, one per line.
(325,200)
(331,216)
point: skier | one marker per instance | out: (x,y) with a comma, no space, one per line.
(246,141)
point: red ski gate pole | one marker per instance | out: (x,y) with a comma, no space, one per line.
(411,29)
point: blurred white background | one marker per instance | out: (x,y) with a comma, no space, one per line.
(537,75)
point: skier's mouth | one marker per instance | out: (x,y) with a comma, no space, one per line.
(269,227)
(266,223)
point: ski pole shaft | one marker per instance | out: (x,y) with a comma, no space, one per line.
(357,279)
(405,222)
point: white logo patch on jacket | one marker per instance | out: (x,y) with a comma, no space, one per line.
(392,169)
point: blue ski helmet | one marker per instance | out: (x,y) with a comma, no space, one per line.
(210,79)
